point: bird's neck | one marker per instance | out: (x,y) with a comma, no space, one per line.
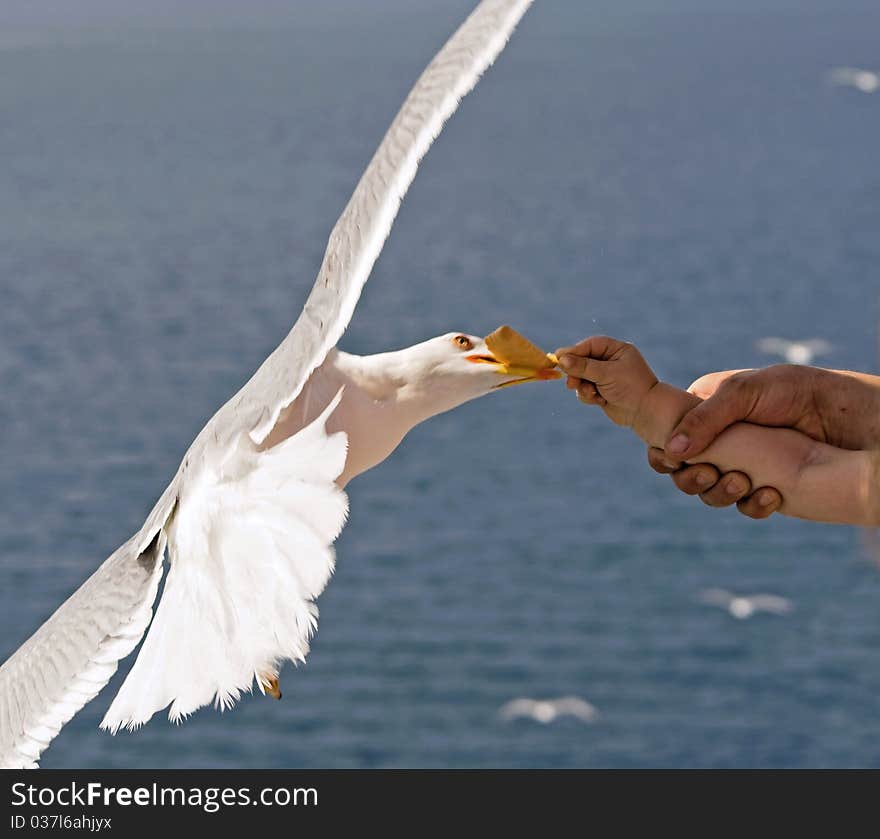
(379,407)
(388,380)
(380,376)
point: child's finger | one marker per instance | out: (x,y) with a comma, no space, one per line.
(589,395)
(582,368)
(601,347)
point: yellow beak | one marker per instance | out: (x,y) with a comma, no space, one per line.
(513,354)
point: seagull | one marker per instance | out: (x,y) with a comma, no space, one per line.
(546,711)
(249,520)
(794,352)
(744,606)
(865,81)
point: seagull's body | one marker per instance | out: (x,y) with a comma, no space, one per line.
(794,352)
(865,81)
(546,711)
(249,519)
(742,606)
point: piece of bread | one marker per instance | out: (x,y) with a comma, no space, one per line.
(513,349)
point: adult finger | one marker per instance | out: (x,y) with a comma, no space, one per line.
(761,503)
(660,462)
(698,479)
(731,488)
(732,401)
(706,385)
(690,479)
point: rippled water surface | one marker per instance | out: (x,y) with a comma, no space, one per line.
(678,174)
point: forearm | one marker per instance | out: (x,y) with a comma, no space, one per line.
(817,481)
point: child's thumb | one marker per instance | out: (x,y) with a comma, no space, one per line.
(581,367)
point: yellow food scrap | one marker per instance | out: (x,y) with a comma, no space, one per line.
(513,349)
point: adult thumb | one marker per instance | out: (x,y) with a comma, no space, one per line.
(698,428)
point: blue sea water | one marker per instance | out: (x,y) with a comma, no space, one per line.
(679,174)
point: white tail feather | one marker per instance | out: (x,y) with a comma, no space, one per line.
(248,557)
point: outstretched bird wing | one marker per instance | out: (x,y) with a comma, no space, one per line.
(773,346)
(772,603)
(73,655)
(716,597)
(818,346)
(67,661)
(576,707)
(522,707)
(357,239)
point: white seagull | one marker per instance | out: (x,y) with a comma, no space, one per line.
(865,81)
(794,352)
(743,606)
(547,710)
(250,518)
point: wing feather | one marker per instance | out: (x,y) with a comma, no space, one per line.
(520,707)
(772,346)
(358,236)
(716,597)
(772,603)
(67,661)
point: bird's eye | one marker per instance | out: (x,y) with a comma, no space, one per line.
(463,342)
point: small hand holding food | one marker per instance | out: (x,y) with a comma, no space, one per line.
(609,373)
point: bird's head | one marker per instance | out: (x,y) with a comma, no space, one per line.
(454,368)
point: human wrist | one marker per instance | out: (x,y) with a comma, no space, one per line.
(660,409)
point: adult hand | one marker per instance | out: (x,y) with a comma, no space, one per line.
(836,407)
(715,488)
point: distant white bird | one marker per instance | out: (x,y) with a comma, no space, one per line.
(865,81)
(250,518)
(794,352)
(744,606)
(547,710)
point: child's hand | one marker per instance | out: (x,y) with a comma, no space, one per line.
(608,373)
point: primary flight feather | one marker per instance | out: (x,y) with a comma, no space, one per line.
(249,520)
